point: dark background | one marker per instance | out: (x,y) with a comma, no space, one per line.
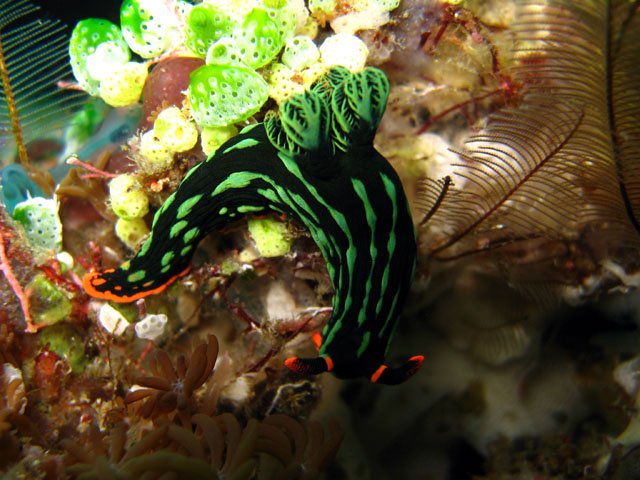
(72,11)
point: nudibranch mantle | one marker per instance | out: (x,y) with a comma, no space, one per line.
(316,163)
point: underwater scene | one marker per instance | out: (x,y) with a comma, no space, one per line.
(320,239)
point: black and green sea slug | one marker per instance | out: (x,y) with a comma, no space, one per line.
(316,163)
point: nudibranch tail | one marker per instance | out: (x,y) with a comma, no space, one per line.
(382,374)
(395,376)
(313,162)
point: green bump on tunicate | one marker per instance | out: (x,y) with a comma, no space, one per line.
(145,25)
(204,25)
(177,228)
(185,208)
(136,276)
(258,40)
(47,303)
(185,250)
(191,234)
(166,258)
(65,341)
(95,46)
(225,94)
(271,236)
(165,269)
(223,210)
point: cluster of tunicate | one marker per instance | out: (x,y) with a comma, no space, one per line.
(303,62)
(100,55)
(252,49)
(172,132)
(228,89)
(100,62)
(299,68)
(130,204)
(95,47)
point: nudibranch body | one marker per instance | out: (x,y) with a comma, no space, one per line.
(314,162)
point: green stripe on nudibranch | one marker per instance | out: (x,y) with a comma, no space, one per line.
(246,143)
(314,162)
(185,207)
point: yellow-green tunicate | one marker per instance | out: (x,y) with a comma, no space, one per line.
(212,137)
(127,200)
(123,85)
(47,303)
(131,231)
(154,156)
(271,236)
(174,131)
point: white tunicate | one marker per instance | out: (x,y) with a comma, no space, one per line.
(112,320)
(151,327)
(345,50)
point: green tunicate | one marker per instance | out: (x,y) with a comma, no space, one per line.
(65,341)
(39,216)
(96,45)
(145,25)
(225,94)
(259,39)
(204,25)
(47,304)
(300,52)
(282,13)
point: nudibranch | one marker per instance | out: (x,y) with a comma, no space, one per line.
(315,162)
